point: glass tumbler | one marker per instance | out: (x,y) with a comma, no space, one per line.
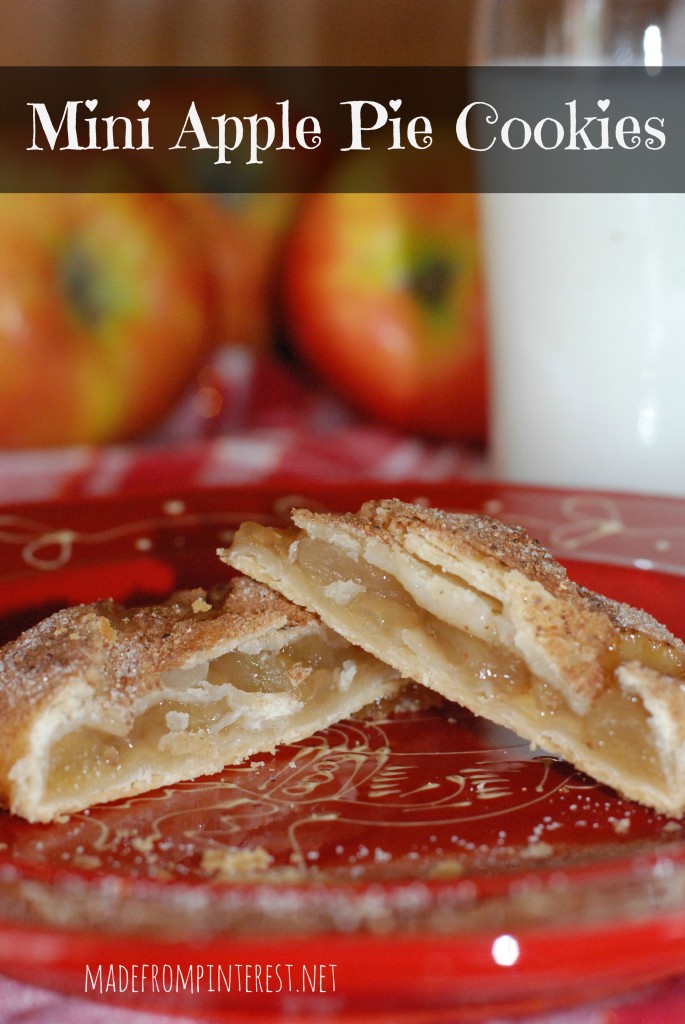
(586,291)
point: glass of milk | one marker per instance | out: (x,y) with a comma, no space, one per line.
(586,291)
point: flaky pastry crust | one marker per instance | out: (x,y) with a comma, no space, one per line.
(99,702)
(487,617)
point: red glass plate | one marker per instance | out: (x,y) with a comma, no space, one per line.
(423,866)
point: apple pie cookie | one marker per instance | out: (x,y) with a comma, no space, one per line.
(482,613)
(98,702)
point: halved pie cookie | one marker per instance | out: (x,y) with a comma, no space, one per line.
(482,613)
(99,702)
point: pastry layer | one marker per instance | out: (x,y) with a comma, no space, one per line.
(99,702)
(483,614)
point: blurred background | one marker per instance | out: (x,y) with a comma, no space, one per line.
(351,324)
(235,31)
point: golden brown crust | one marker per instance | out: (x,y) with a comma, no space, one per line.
(484,614)
(72,643)
(571,633)
(162,637)
(580,618)
(628,619)
(499,544)
(119,653)
(453,532)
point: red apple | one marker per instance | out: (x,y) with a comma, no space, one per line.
(384,300)
(103,314)
(243,232)
(243,236)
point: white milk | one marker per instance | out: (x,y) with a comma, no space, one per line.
(587,306)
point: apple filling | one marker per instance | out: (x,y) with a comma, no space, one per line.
(365,601)
(206,711)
